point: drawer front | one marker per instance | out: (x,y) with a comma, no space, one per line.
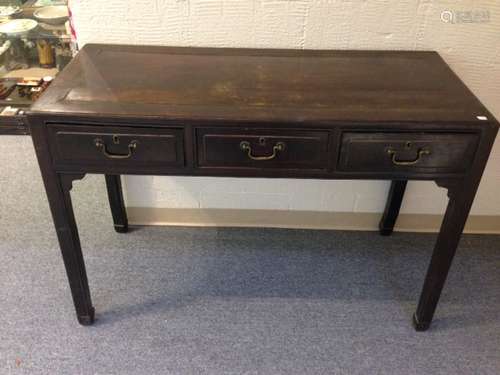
(262,148)
(417,152)
(115,146)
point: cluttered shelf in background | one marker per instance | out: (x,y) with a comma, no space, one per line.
(35,44)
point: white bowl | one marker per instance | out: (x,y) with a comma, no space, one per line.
(53,15)
(18,27)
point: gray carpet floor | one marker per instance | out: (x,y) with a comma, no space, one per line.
(231,301)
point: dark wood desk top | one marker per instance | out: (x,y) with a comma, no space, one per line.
(261,85)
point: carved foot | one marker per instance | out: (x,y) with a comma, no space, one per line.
(121,228)
(87,320)
(420,326)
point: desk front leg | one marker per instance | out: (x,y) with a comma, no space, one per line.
(58,193)
(461,193)
(459,205)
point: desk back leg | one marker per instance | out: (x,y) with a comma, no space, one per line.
(115,196)
(392,207)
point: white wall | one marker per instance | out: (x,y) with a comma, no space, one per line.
(472,50)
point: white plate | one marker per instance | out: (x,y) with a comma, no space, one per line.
(17,27)
(7,11)
(53,15)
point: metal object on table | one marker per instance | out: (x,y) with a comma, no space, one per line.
(45,53)
(63,56)
(16,55)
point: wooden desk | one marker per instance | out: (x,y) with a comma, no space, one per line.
(261,113)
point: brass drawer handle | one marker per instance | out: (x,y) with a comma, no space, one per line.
(245,147)
(99,143)
(395,161)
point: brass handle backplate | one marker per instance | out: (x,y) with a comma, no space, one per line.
(393,153)
(246,147)
(99,143)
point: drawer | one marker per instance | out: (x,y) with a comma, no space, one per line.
(419,152)
(115,146)
(262,148)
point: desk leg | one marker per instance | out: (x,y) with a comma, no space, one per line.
(58,186)
(444,251)
(59,196)
(115,196)
(392,207)
(461,195)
